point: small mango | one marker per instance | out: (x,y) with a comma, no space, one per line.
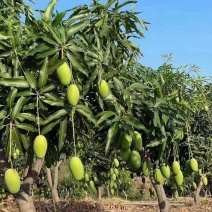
(77,168)
(64,74)
(103,89)
(40,146)
(73,95)
(12,181)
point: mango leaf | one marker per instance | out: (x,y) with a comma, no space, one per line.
(55,65)
(11,97)
(48,13)
(104,116)
(134,122)
(48,88)
(110,135)
(25,93)
(4,36)
(154,143)
(77,27)
(14,82)
(85,111)
(156,119)
(118,84)
(29,117)
(17,108)
(25,141)
(50,126)
(55,115)
(62,133)
(30,79)
(46,53)
(59,17)
(3,113)
(54,102)
(25,126)
(17,138)
(43,76)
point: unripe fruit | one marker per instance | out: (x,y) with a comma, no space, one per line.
(200,172)
(92,184)
(205,181)
(165,170)
(116,171)
(14,155)
(112,191)
(103,89)
(146,168)
(188,167)
(176,195)
(95,179)
(17,152)
(194,185)
(12,181)
(125,154)
(73,95)
(86,177)
(206,108)
(64,74)
(135,159)
(116,162)
(194,165)
(158,177)
(126,141)
(114,177)
(137,142)
(179,178)
(115,185)
(111,184)
(175,167)
(77,168)
(40,146)
(111,171)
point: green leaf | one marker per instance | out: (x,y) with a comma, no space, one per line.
(104,116)
(156,119)
(118,84)
(48,13)
(56,115)
(25,141)
(25,93)
(4,36)
(59,17)
(25,126)
(85,111)
(50,126)
(14,82)
(46,53)
(3,113)
(134,122)
(43,77)
(17,138)
(62,133)
(17,108)
(54,102)
(30,79)
(29,117)
(11,97)
(48,88)
(77,27)
(154,143)
(110,135)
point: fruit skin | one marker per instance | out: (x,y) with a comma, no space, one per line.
(103,89)
(17,152)
(200,172)
(112,191)
(175,167)
(86,177)
(116,162)
(137,142)
(206,108)
(179,178)
(92,184)
(194,165)
(194,185)
(14,155)
(126,141)
(114,177)
(116,171)
(158,177)
(76,167)
(64,74)
(165,170)
(176,195)
(205,181)
(40,146)
(12,181)
(188,167)
(135,159)
(125,154)
(146,168)
(73,95)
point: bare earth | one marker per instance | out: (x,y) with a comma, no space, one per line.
(109,205)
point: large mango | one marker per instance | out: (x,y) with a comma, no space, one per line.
(73,95)
(103,89)
(40,146)
(12,181)
(77,168)
(64,74)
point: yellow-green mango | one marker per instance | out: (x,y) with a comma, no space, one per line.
(115,186)
(146,168)
(111,184)
(64,74)
(158,177)
(116,162)
(92,184)
(135,159)
(126,141)
(200,172)
(12,181)
(14,155)
(175,167)
(194,164)
(179,178)
(112,191)
(188,167)
(206,108)
(205,181)
(17,152)
(73,95)
(87,178)
(40,146)
(114,177)
(125,154)
(194,185)
(176,195)
(116,171)
(165,170)
(76,167)
(103,89)
(137,142)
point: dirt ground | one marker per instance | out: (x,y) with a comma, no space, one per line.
(107,205)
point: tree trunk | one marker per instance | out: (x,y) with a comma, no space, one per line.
(24,197)
(197,192)
(162,199)
(99,192)
(108,191)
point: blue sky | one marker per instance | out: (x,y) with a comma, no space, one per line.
(183,28)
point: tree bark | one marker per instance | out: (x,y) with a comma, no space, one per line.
(162,199)
(24,197)
(108,191)
(99,192)
(197,192)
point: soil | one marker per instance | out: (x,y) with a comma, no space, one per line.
(108,205)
